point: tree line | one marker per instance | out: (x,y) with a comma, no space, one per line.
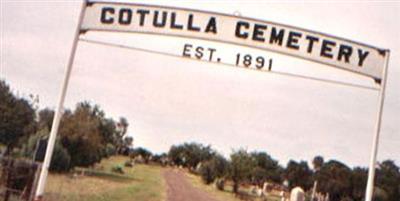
(85,134)
(242,167)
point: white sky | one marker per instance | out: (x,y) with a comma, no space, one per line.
(170,100)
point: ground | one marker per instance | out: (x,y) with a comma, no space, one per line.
(227,194)
(180,189)
(141,183)
(138,183)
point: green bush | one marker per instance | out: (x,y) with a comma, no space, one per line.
(129,163)
(207,172)
(214,168)
(220,183)
(117,169)
(28,149)
(61,159)
(110,150)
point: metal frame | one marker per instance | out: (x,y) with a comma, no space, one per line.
(78,31)
(380,50)
(375,140)
(58,113)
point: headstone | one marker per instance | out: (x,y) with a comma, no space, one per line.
(297,194)
(327,197)
(253,189)
(259,192)
(285,184)
(282,194)
(265,186)
(265,189)
(220,184)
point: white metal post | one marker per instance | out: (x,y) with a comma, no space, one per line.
(58,113)
(375,142)
(314,190)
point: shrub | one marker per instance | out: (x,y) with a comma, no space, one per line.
(214,168)
(29,149)
(129,163)
(207,172)
(110,150)
(220,183)
(117,169)
(61,159)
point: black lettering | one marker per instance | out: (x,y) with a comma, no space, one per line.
(311,40)
(125,16)
(293,39)
(199,52)
(211,26)
(191,27)
(156,22)
(173,22)
(212,50)
(107,19)
(276,37)
(238,32)
(362,56)
(345,51)
(258,32)
(326,49)
(142,14)
(186,50)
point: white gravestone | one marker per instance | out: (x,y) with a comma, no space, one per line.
(297,194)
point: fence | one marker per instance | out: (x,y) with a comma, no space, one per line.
(18,179)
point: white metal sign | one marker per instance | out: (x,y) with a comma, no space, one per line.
(345,54)
(322,48)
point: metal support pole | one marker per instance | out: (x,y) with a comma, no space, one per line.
(375,142)
(314,190)
(58,112)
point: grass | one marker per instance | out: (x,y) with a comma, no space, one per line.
(227,194)
(141,183)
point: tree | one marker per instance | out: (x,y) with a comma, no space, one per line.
(388,179)
(126,145)
(318,161)
(80,135)
(214,168)
(267,168)
(61,160)
(190,154)
(298,174)
(197,153)
(17,118)
(160,158)
(335,179)
(144,153)
(241,165)
(358,182)
(207,172)
(45,118)
(221,165)
(108,130)
(259,175)
(176,155)
(122,128)
(380,195)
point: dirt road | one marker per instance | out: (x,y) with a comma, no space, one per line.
(180,189)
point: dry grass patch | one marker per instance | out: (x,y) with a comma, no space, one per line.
(227,194)
(141,183)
